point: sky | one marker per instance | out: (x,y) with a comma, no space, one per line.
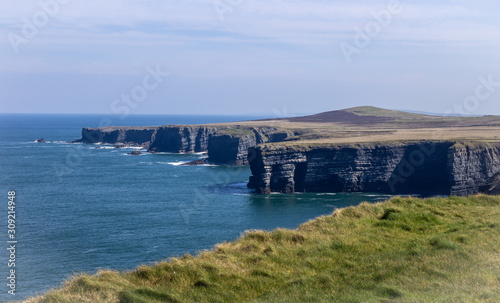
(266,57)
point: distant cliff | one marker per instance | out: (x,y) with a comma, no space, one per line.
(138,136)
(427,168)
(224,144)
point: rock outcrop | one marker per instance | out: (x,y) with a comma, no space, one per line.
(473,166)
(232,150)
(135,153)
(426,168)
(181,139)
(136,136)
(196,162)
(224,144)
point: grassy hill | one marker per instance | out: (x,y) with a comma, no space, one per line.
(402,250)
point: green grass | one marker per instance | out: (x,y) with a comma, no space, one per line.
(236,132)
(402,250)
(381,112)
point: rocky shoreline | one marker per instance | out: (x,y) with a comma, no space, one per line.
(224,144)
(307,154)
(425,168)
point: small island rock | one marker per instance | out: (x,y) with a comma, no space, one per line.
(197,162)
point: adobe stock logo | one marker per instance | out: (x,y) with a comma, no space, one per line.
(484,90)
(139,93)
(372,29)
(222,7)
(31,26)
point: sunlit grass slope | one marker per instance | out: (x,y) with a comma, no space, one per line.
(402,250)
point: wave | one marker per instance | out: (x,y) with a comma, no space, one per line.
(105,147)
(90,250)
(174,163)
(48,142)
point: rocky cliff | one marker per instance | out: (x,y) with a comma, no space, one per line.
(181,139)
(473,166)
(427,168)
(231,146)
(224,144)
(139,136)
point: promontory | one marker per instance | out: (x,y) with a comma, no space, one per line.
(361,149)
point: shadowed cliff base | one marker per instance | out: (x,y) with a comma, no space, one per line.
(402,250)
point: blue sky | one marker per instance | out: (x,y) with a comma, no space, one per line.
(270,57)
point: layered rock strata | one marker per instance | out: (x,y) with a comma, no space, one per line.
(137,136)
(224,144)
(426,168)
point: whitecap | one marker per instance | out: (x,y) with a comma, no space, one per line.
(175,163)
(133,147)
(90,250)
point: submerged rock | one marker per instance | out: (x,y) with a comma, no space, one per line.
(135,153)
(41,140)
(197,162)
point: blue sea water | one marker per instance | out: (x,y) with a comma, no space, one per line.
(79,209)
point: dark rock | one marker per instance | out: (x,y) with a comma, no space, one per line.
(426,168)
(225,144)
(181,139)
(492,186)
(42,140)
(197,162)
(136,136)
(231,146)
(135,153)
(231,150)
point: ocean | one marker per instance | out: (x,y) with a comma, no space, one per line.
(79,209)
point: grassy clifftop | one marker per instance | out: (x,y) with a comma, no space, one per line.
(402,250)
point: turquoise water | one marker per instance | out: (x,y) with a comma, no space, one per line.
(80,208)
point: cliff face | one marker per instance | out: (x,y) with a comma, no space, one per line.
(231,150)
(473,166)
(181,139)
(224,144)
(231,146)
(425,168)
(140,136)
